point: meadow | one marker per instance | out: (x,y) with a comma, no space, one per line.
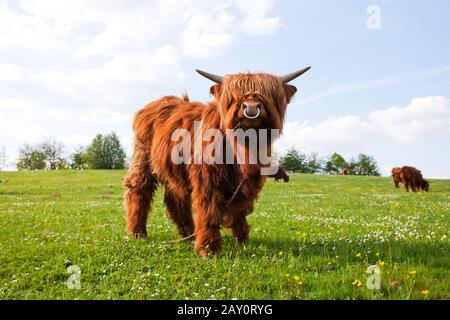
(312,238)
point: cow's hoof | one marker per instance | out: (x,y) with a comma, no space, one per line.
(138,234)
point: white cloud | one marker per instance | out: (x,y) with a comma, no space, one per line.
(116,81)
(105,27)
(31,32)
(211,32)
(10,72)
(152,68)
(208,35)
(23,121)
(424,118)
(427,116)
(416,134)
(256,21)
(48,26)
(131,39)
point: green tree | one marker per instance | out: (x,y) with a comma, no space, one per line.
(366,166)
(314,164)
(31,158)
(79,159)
(53,151)
(294,161)
(106,152)
(62,164)
(352,164)
(335,164)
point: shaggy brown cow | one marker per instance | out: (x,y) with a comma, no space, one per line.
(345,172)
(412,178)
(219,194)
(281,174)
(396,177)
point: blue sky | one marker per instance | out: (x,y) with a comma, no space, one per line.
(74,68)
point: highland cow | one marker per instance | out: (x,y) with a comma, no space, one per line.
(280,175)
(345,172)
(396,177)
(412,178)
(221,195)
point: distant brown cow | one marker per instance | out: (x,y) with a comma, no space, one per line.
(396,177)
(281,174)
(345,172)
(412,178)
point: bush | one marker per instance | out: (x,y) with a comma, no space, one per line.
(31,158)
(106,152)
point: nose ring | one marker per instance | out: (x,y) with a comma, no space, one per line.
(254,117)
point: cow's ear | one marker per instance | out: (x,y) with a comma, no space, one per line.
(215,89)
(290,92)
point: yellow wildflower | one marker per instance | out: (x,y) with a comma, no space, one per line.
(425,292)
(358,254)
(357,283)
(297,280)
(381,263)
(413,273)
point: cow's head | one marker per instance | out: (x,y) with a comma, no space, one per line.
(396,171)
(253,100)
(425,185)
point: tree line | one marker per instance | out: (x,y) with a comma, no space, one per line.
(297,161)
(104,152)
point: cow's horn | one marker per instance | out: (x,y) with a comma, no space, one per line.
(210,76)
(291,76)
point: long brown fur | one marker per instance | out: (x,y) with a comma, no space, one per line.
(412,178)
(203,189)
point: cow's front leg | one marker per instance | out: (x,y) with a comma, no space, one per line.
(240,229)
(208,240)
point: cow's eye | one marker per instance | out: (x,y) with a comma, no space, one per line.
(230,104)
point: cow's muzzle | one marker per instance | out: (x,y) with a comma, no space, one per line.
(252,110)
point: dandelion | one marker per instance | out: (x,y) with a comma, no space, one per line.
(302,234)
(280,253)
(297,280)
(413,273)
(359,254)
(425,292)
(381,263)
(357,283)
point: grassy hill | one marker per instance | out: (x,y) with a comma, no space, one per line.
(312,238)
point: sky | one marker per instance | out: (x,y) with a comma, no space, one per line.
(379,83)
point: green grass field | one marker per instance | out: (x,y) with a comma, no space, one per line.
(312,238)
